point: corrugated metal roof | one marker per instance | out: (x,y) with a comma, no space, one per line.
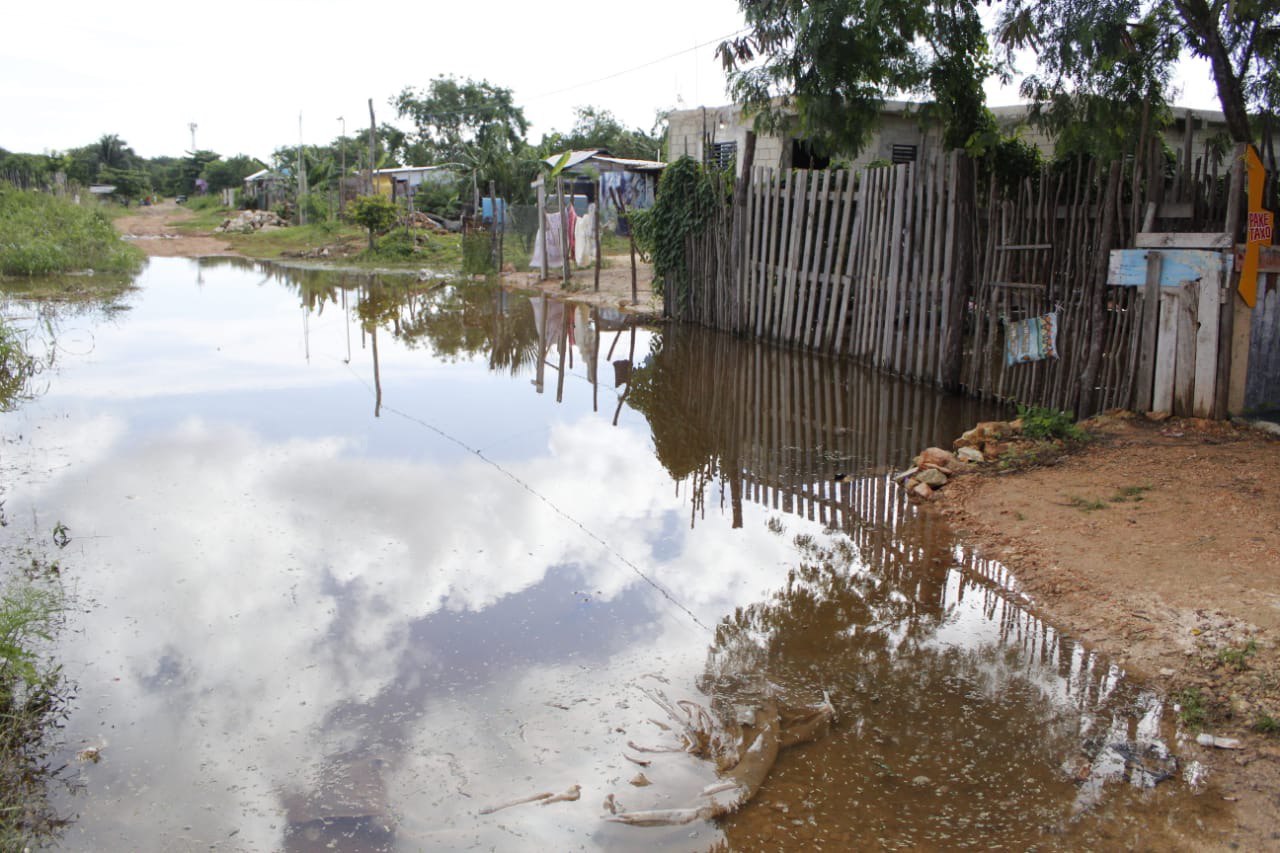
(601,155)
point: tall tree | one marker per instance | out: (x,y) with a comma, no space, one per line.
(1122,49)
(835,61)
(598,128)
(453,114)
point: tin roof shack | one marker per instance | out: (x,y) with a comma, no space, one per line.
(593,176)
(264,190)
(401,182)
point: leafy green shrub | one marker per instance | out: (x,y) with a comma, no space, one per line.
(1041,423)
(42,234)
(687,198)
(1266,724)
(374,213)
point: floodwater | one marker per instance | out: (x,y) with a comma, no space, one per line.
(357,560)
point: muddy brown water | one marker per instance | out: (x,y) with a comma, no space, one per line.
(358,560)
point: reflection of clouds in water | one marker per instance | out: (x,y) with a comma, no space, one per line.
(243,591)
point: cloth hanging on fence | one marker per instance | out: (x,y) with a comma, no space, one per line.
(1032,339)
(552,226)
(584,238)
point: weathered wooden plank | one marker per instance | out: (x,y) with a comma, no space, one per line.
(1166,352)
(841,235)
(1268,258)
(892,282)
(852,247)
(818,207)
(1128,267)
(1262,379)
(1179,240)
(1206,341)
(1147,335)
(1184,371)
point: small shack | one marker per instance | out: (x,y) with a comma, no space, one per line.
(402,182)
(264,190)
(587,178)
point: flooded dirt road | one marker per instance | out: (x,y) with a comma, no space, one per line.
(372,565)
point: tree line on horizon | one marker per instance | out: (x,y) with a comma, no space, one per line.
(822,68)
(472,126)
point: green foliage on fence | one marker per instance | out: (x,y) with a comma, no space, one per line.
(688,195)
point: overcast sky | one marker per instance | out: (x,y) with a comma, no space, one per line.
(244,71)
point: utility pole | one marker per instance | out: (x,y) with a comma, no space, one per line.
(302,177)
(342,147)
(192,126)
(373,142)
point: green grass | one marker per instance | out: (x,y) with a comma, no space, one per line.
(276,242)
(1191,707)
(1238,658)
(41,234)
(33,704)
(1047,424)
(1266,724)
(17,368)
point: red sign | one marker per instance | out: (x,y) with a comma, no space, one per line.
(1260,226)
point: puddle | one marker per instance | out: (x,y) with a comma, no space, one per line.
(360,561)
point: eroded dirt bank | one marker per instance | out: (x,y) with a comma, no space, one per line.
(1159,543)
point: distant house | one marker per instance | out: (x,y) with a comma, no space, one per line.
(264,189)
(595,175)
(904,135)
(403,181)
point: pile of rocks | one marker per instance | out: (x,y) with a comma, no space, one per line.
(421,220)
(987,440)
(248,221)
(935,467)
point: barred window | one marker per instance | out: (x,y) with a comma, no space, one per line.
(722,154)
(904,154)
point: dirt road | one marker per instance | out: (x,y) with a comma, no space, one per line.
(1160,545)
(151,230)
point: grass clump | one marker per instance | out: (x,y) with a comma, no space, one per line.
(1191,707)
(1266,724)
(41,234)
(34,698)
(1238,657)
(1044,424)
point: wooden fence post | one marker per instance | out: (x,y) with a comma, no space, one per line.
(962,212)
(1097,294)
(1230,293)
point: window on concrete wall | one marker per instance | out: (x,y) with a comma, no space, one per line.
(803,156)
(904,154)
(722,154)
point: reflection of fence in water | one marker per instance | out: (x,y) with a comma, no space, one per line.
(1086,680)
(798,432)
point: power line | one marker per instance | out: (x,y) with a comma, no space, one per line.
(642,65)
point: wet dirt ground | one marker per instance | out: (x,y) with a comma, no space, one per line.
(1159,544)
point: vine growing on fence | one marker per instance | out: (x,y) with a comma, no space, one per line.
(688,195)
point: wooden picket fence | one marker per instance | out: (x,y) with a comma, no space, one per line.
(916,270)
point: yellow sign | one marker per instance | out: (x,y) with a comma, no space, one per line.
(1261,228)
